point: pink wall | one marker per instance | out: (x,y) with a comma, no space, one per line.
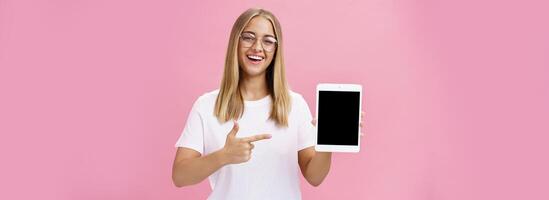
(94,94)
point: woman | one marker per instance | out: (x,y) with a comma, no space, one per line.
(258,156)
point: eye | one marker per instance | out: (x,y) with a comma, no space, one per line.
(248,38)
(269,41)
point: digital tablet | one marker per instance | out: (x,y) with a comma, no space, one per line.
(338,108)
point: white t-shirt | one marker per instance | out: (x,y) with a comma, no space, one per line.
(273,170)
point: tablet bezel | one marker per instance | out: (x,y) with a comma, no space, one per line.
(338,87)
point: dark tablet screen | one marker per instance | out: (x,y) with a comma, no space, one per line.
(338,117)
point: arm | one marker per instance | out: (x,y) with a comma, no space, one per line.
(190,168)
(314,165)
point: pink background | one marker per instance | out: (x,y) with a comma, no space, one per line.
(94,94)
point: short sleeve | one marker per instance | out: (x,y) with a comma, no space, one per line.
(192,135)
(306,130)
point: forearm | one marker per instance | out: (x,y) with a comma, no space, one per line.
(318,168)
(193,171)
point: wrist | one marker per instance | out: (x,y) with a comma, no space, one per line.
(220,157)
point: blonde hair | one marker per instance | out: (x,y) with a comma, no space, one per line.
(230,104)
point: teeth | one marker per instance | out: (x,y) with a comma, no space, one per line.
(255,57)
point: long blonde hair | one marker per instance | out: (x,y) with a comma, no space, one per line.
(230,104)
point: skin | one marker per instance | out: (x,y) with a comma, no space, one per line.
(253,81)
(191,168)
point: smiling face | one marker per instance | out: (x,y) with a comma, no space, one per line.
(256,47)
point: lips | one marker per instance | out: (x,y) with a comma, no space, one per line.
(255,59)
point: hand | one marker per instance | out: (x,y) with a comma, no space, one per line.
(239,150)
(361,122)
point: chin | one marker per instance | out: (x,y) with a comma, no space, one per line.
(254,70)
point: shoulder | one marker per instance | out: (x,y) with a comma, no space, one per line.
(209,96)
(299,104)
(206,100)
(296,98)
(300,111)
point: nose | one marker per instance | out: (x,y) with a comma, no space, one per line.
(257,46)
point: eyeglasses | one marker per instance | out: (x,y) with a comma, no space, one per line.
(269,43)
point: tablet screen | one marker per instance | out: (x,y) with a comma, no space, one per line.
(338,117)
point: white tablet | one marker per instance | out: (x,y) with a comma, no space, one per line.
(338,108)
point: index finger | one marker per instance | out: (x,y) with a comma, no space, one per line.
(256,138)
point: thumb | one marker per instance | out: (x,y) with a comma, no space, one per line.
(234,130)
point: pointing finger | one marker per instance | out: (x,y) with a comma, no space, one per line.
(256,138)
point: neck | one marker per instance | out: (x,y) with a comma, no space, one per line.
(254,88)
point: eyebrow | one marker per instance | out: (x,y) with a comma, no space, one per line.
(268,35)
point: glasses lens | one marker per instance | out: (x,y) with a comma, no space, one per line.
(248,39)
(269,43)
